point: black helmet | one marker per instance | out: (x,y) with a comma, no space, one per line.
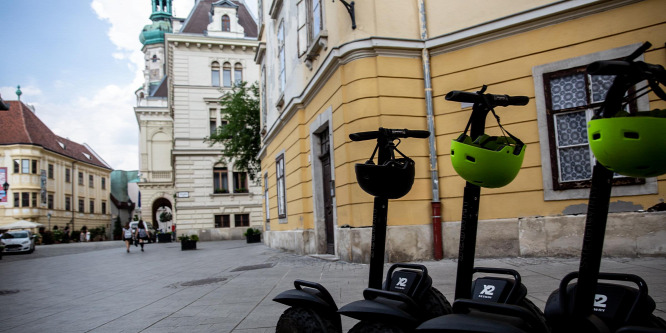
(392,180)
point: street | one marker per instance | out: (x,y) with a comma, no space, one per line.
(225,286)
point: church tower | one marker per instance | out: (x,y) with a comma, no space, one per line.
(152,38)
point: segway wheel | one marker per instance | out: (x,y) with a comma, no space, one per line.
(374,327)
(302,320)
(435,304)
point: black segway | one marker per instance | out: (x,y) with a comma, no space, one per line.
(630,144)
(494,303)
(407,297)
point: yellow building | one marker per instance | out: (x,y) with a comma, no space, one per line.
(52,180)
(326,74)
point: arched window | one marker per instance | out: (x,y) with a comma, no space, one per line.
(226,25)
(215,74)
(238,73)
(226,74)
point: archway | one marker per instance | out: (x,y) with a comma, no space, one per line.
(160,206)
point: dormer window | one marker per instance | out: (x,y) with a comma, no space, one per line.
(62,145)
(226,24)
(87,156)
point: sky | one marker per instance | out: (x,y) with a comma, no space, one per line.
(78,62)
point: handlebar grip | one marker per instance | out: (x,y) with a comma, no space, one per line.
(362,136)
(494,100)
(419,134)
(610,67)
(390,134)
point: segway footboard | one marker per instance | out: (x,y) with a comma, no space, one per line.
(616,305)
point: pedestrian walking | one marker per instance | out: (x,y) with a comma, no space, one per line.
(82,235)
(127,236)
(65,235)
(141,233)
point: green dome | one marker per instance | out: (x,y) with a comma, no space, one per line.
(154,33)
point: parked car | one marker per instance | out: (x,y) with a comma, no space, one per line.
(18,241)
(149,228)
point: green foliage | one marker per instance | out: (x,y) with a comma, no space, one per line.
(165,216)
(58,235)
(47,238)
(75,236)
(98,233)
(252,231)
(188,237)
(240,136)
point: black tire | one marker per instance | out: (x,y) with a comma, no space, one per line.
(435,304)
(375,327)
(302,320)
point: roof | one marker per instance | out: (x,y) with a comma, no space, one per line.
(119,180)
(161,89)
(22,126)
(199,19)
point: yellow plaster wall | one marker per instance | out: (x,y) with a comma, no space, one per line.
(505,65)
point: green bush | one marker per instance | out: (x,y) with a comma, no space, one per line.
(47,238)
(98,233)
(252,231)
(194,238)
(75,236)
(117,229)
(58,235)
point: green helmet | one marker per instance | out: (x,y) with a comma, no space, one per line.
(488,161)
(632,146)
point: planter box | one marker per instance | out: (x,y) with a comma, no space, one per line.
(253,238)
(164,238)
(188,245)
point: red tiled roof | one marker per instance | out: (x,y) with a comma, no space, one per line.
(198,21)
(19,125)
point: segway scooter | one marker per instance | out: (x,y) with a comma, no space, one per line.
(491,303)
(407,297)
(630,144)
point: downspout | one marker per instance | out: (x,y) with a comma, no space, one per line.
(73,196)
(432,149)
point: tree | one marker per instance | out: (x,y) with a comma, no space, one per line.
(240,135)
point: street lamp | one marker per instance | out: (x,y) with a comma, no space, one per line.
(5,187)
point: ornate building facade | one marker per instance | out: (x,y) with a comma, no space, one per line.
(190,64)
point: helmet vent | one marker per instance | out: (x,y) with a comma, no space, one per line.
(596,136)
(631,135)
(471,159)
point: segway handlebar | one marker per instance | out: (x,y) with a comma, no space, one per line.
(622,67)
(390,134)
(494,100)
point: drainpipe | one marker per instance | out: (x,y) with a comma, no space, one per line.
(72,205)
(434,175)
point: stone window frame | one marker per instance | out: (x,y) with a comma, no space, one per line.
(221,222)
(280,184)
(551,190)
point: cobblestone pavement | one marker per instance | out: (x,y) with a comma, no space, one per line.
(223,286)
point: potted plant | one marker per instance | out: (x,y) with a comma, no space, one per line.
(252,235)
(188,242)
(164,237)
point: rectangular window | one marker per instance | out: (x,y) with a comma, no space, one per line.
(92,206)
(25,199)
(68,203)
(103,183)
(91,181)
(220,181)
(315,21)
(226,75)
(34,167)
(25,166)
(302,27)
(241,220)
(238,74)
(566,97)
(222,221)
(34,200)
(281,58)
(81,178)
(68,176)
(17,197)
(50,174)
(281,191)
(17,166)
(240,182)
(213,126)
(81,205)
(572,96)
(268,214)
(215,77)
(50,201)
(103,207)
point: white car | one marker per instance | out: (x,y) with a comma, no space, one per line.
(18,241)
